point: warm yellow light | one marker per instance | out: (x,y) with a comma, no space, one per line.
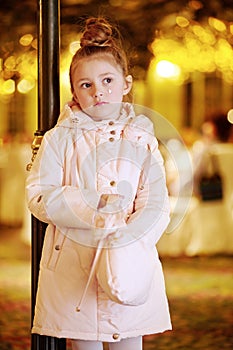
(74,46)
(196,5)
(196,48)
(35,44)
(25,85)
(8,87)
(166,69)
(223,55)
(231,29)
(204,34)
(230,116)
(65,78)
(182,21)
(193,45)
(26,40)
(217,24)
(10,63)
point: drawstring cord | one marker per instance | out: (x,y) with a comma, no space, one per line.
(94,264)
(93,268)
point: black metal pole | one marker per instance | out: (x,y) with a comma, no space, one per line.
(48,111)
(48,63)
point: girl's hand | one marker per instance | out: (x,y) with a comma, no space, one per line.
(110,216)
(109,199)
(107,225)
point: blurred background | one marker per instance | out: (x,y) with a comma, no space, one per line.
(181,56)
(181,60)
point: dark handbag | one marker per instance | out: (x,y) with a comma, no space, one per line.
(211,187)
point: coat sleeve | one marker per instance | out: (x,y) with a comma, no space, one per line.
(151,214)
(49,199)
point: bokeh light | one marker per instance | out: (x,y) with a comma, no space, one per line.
(197,47)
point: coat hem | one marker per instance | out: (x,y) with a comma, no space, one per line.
(98,337)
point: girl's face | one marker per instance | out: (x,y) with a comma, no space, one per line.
(99,86)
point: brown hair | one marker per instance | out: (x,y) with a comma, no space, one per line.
(99,37)
(222,126)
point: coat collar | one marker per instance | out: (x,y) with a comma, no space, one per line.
(78,119)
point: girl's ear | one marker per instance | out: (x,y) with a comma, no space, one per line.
(75,97)
(128,84)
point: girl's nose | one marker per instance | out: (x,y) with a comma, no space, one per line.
(98,92)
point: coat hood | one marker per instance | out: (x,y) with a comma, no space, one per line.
(135,128)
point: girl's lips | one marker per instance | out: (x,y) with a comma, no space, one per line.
(100,103)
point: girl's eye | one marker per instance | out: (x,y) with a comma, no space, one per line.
(108,80)
(85,85)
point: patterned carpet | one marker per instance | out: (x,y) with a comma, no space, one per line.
(199,291)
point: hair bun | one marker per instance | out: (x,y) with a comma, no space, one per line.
(97,32)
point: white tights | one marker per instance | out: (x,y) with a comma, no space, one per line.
(124,344)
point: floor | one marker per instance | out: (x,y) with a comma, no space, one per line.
(199,291)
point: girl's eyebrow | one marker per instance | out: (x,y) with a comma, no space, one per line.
(101,75)
(83,79)
(107,73)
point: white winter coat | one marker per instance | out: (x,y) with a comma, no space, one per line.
(79,159)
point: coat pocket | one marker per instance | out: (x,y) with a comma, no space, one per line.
(52,247)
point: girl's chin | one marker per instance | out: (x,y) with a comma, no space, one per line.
(104,111)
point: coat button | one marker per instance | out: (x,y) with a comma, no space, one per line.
(111,139)
(115,336)
(111,122)
(112,183)
(57,247)
(113,132)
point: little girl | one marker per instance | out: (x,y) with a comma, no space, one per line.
(90,177)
